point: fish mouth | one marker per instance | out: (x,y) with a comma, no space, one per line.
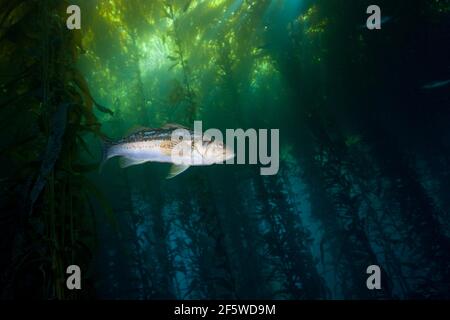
(228,154)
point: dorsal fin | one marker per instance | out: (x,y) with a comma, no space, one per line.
(136,129)
(174,126)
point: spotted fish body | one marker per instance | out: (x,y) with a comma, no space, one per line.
(157,145)
(150,145)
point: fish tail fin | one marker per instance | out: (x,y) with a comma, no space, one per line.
(105,145)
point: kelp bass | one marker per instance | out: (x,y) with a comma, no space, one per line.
(170,144)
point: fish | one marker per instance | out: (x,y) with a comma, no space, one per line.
(171,143)
(436,84)
(384,20)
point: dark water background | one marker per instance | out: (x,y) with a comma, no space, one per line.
(364,150)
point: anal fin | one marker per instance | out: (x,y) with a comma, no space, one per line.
(176,170)
(128,162)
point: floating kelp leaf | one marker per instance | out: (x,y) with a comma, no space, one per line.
(352,140)
(167,13)
(188,4)
(50,155)
(103,108)
(84,145)
(13,12)
(77,48)
(173,66)
(83,86)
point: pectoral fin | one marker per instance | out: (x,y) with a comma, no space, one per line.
(128,162)
(176,170)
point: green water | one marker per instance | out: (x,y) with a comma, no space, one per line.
(363,150)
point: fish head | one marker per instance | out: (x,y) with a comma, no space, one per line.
(214,151)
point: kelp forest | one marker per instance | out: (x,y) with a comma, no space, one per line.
(364,149)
